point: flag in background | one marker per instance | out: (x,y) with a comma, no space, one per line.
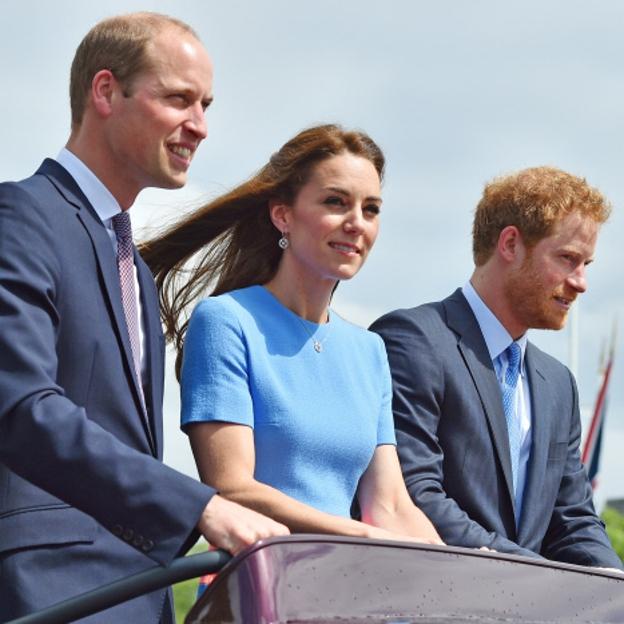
(593,441)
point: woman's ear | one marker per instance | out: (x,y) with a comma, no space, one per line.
(279,212)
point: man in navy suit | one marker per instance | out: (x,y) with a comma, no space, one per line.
(488,426)
(84,495)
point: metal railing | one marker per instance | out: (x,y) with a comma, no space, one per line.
(127,588)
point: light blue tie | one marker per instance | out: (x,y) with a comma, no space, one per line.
(508,387)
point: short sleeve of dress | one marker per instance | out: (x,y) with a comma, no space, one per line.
(385,425)
(214,380)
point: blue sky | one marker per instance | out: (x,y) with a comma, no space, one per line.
(455,93)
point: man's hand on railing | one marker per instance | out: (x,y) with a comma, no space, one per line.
(232,527)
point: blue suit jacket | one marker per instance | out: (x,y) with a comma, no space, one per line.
(84,495)
(453,444)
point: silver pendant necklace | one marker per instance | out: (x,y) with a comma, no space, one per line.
(317,345)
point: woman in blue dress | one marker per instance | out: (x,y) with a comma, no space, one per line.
(286,404)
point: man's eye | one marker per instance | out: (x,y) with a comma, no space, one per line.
(178,99)
(571,260)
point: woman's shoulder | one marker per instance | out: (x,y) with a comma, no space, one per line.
(235,311)
(220,321)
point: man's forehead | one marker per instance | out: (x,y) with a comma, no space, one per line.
(574,229)
(177,57)
(172,41)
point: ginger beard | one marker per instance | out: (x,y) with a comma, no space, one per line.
(537,300)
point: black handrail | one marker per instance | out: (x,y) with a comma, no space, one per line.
(129,587)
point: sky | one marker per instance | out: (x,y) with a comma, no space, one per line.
(454,92)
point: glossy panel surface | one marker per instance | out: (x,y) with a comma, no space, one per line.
(313,578)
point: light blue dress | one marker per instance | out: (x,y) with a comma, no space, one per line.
(316,417)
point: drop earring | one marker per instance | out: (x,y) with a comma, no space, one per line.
(283,242)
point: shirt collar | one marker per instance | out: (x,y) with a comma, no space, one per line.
(496,337)
(102,200)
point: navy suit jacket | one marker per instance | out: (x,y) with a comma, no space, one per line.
(84,495)
(454,449)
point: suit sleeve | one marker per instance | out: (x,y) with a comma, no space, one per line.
(575,533)
(418,404)
(47,439)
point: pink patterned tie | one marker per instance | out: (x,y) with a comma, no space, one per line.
(125,265)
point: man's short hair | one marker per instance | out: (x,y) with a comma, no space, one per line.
(118,44)
(533,200)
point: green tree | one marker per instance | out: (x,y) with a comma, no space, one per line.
(615,529)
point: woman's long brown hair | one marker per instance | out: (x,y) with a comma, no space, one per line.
(230,242)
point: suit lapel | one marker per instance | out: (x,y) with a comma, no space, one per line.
(107,264)
(154,354)
(475,353)
(540,440)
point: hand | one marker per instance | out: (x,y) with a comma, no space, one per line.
(233,527)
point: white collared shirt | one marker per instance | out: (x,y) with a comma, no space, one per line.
(497,339)
(106,207)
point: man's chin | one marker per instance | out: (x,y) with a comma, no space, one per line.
(173,181)
(546,319)
(554,323)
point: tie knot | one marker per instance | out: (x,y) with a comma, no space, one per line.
(122,226)
(514,353)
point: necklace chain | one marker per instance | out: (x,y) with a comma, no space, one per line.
(316,344)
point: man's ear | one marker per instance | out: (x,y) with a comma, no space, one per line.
(279,211)
(103,87)
(510,246)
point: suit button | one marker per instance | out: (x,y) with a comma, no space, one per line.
(117,530)
(137,541)
(128,534)
(147,545)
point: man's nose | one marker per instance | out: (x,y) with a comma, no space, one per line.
(196,122)
(578,279)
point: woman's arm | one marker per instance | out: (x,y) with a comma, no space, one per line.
(385,502)
(225,458)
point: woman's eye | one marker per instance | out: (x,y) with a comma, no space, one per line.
(372,209)
(335,201)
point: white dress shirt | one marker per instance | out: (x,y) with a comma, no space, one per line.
(497,339)
(106,207)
